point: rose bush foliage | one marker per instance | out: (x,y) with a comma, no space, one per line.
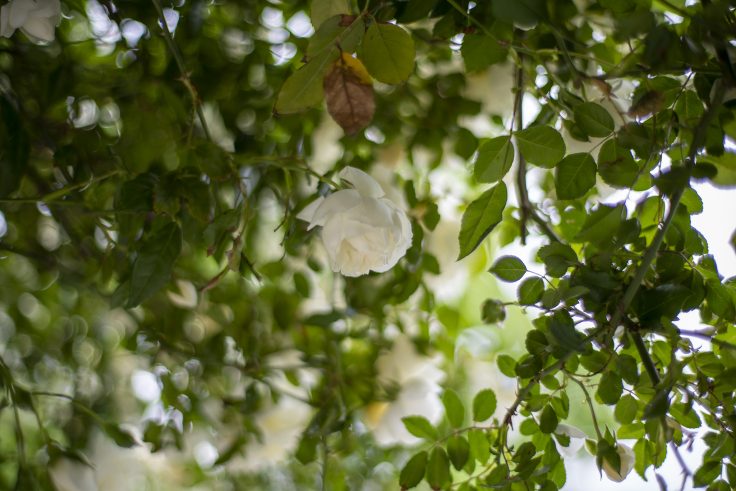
(162,294)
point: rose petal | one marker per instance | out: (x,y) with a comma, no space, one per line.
(5,29)
(48,8)
(627,457)
(362,182)
(39,28)
(19,12)
(307,214)
(336,203)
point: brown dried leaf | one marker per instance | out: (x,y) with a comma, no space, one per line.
(349,94)
(649,103)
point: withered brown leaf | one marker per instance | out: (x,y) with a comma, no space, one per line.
(349,94)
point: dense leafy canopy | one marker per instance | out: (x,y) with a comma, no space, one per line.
(154,158)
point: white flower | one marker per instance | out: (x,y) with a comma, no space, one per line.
(362,230)
(577,438)
(36,18)
(281,423)
(627,463)
(113,468)
(417,380)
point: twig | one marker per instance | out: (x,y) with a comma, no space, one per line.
(686,472)
(707,337)
(526,209)
(645,357)
(325,463)
(590,405)
(60,193)
(182,68)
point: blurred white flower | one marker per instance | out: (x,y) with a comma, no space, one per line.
(326,147)
(186,297)
(281,423)
(362,230)
(494,89)
(113,468)
(626,454)
(216,126)
(416,379)
(37,19)
(577,439)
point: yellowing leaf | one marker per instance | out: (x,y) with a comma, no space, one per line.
(349,94)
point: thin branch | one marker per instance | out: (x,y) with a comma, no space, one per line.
(686,472)
(182,68)
(60,193)
(707,337)
(525,206)
(590,406)
(645,357)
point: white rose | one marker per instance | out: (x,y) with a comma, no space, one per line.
(36,18)
(627,463)
(362,230)
(577,438)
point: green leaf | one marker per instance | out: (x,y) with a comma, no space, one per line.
(481,216)
(548,420)
(689,109)
(420,427)
(484,402)
(726,166)
(493,311)
(523,13)
(480,447)
(626,409)
(388,53)
(155,261)
(120,436)
(574,176)
(685,415)
(610,388)
(14,148)
(338,33)
(631,430)
(494,159)
(602,224)
(306,452)
(416,10)
(593,119)
(616,165)
(413,472)
(321,10)
(507,365)
(458,450)
(508,268)
(557,258)
(530,291)
(562,328)
(438,468)
(454,409)
(541,145)
(480,51)
(658,406)
(707,473)
(720,300)
(304,88)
